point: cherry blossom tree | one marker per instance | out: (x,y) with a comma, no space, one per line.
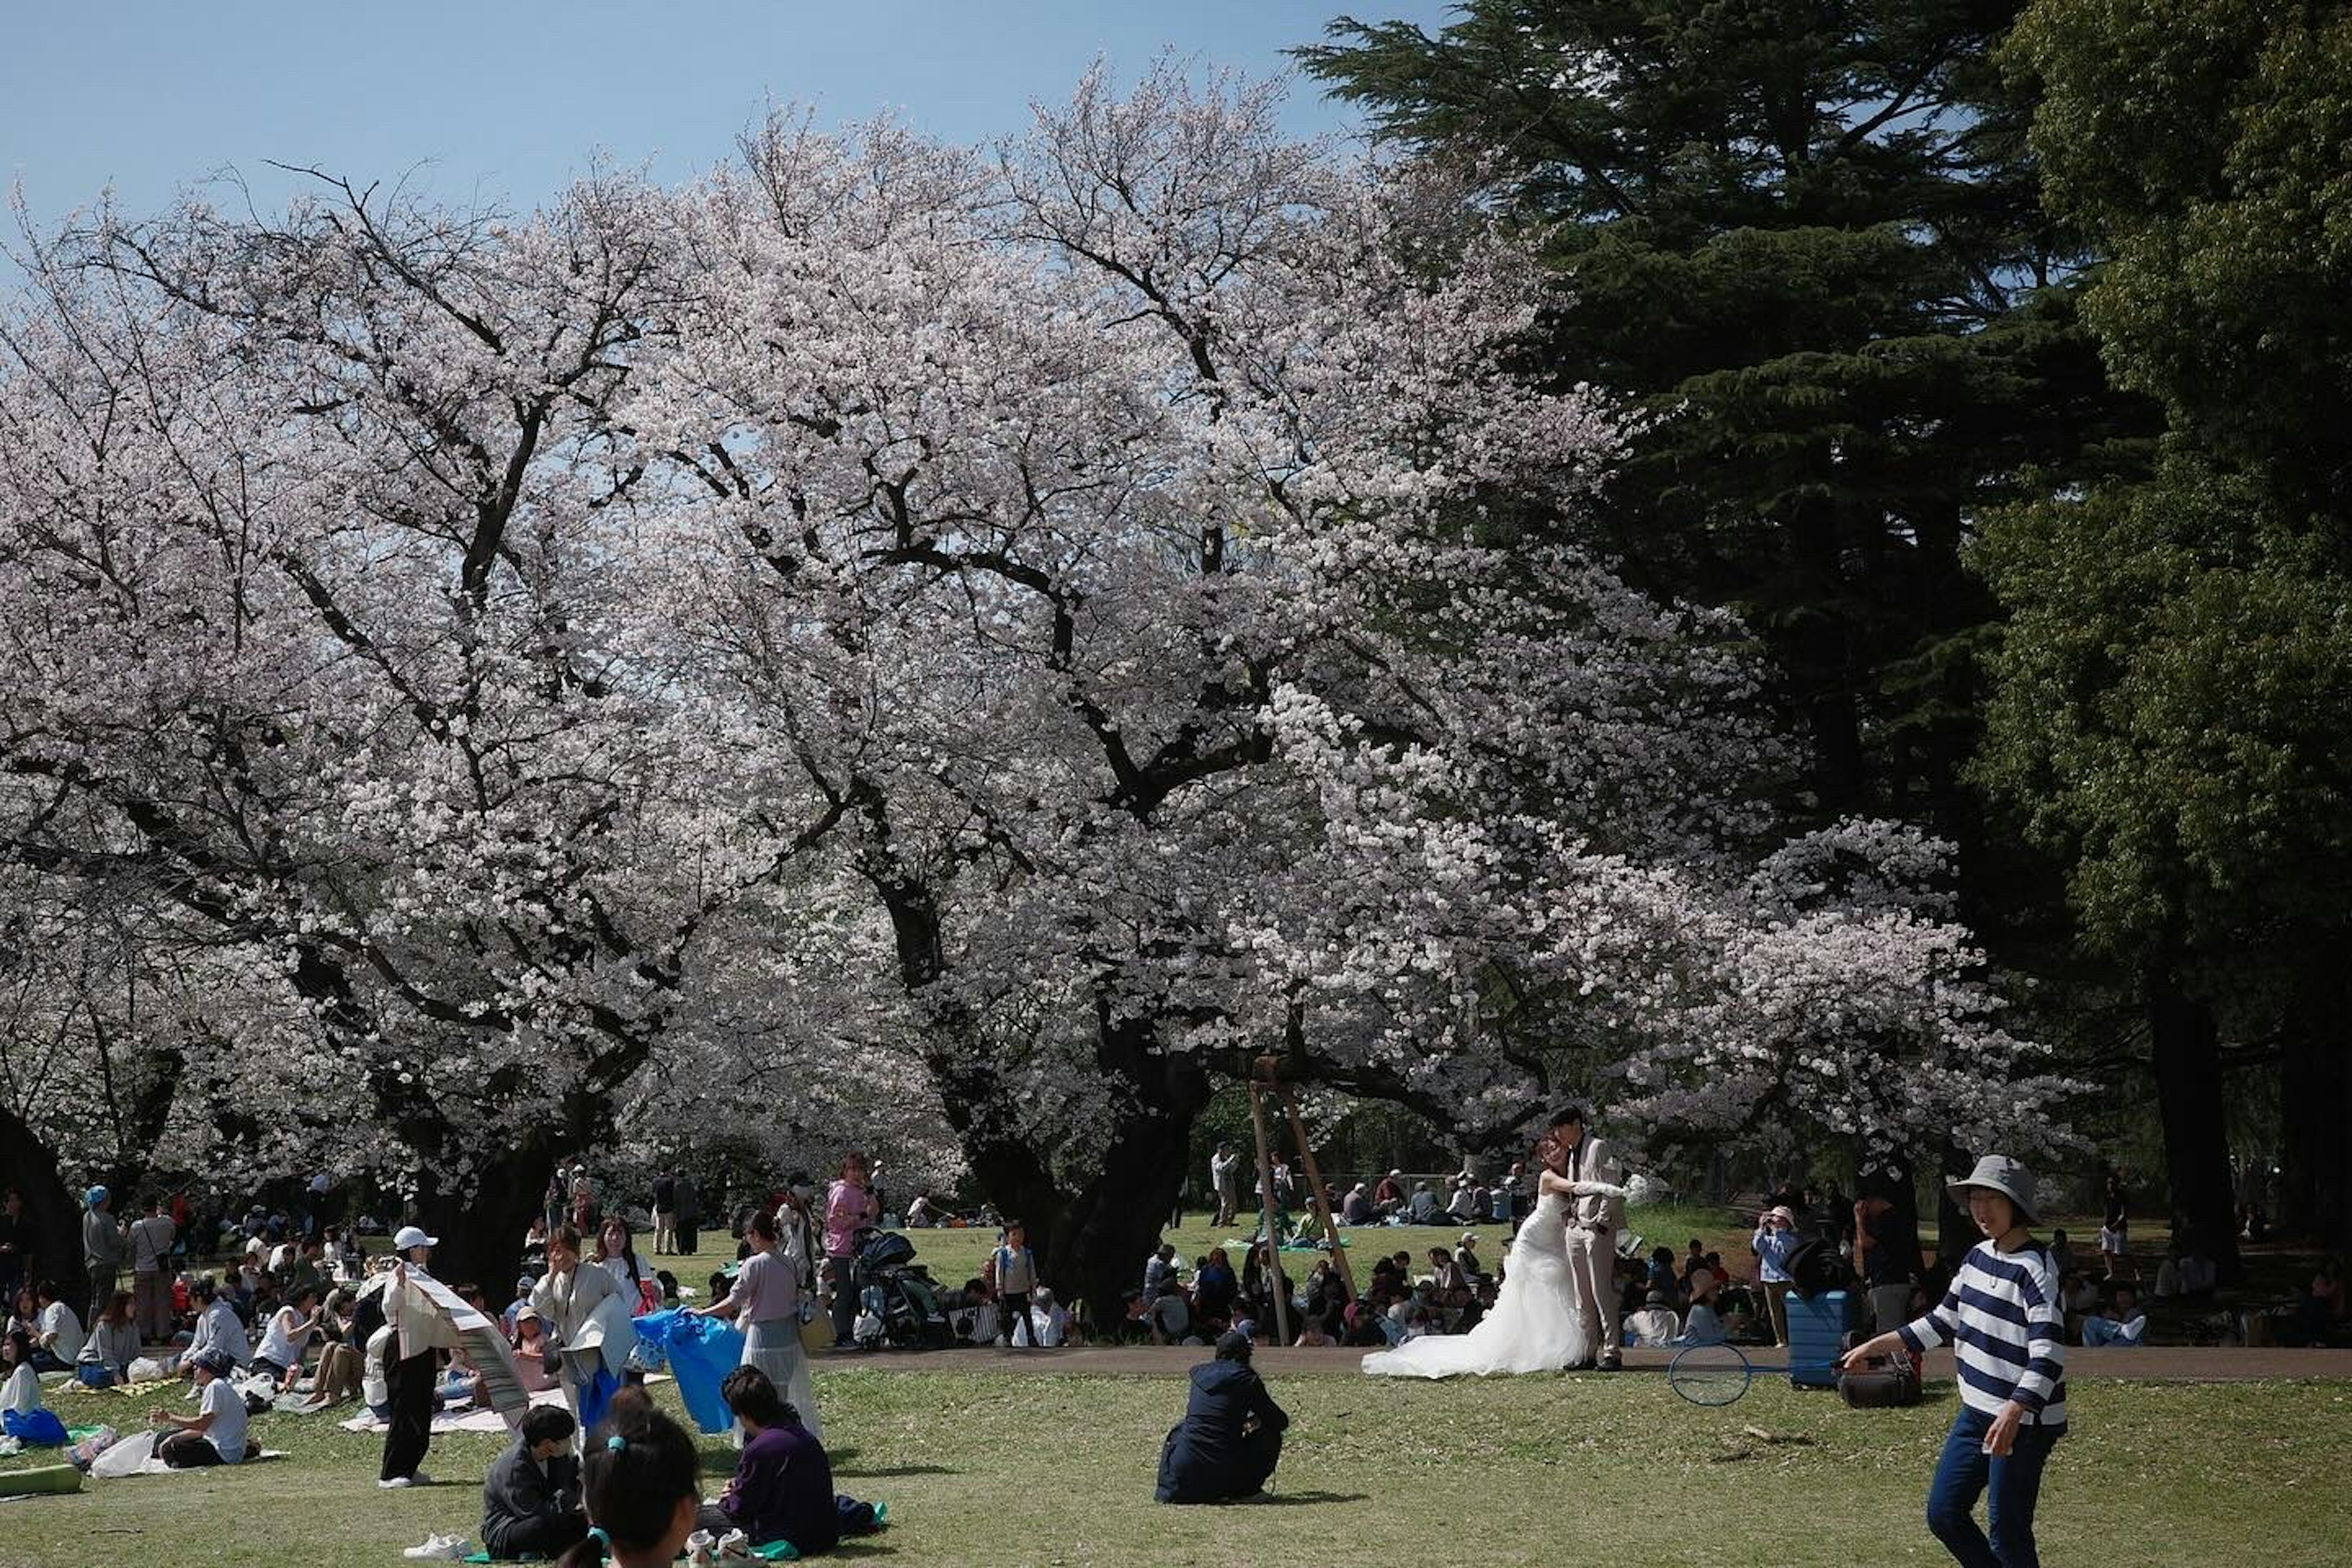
(317,594)
(896,637)
(1124,531)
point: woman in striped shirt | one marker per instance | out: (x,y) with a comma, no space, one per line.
(2007,1328)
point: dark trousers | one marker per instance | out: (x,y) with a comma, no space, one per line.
(409,1430)
(549,1535)
(844,1298)
(2013,1485)
(103,1277)
(188,1451)
(1012,1313)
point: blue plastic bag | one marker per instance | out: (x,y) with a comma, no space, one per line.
(36,1428)
(701,1352)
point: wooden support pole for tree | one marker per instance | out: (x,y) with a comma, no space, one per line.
(1276,1286)
(1316,1193)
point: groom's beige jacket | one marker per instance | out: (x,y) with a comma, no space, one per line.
(1591,1161)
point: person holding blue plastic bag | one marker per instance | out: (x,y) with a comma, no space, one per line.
(765,1300)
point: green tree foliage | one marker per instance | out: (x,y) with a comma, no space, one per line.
(2169,713)
(1805,237)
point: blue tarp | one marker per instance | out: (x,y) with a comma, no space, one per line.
(701,1352)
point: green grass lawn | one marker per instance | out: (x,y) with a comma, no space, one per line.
(1001,1467)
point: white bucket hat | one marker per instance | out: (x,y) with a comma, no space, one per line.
(2000,1174)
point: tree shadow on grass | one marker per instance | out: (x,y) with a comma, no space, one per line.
(1303,1500)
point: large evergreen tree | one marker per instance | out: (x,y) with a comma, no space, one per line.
(2170,714)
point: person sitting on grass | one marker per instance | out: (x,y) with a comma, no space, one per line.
(1215,1289)
(986,1321)
(218,1328)
(1171,1315)
(20,1395)
(1425,1209)
(1656,1323)
(2322,1306)
(530,1499)
(1230,1440)
(1356,1207)
(1048,1320)
(782,1485)
(216,1434)
(58,1339)
(287,1336)
(1702,1325)
(112,1345)
(2125,1325)
(531,1352)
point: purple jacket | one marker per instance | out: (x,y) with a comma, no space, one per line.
(783,1491)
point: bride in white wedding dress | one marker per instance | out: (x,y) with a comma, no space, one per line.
(1535,1326)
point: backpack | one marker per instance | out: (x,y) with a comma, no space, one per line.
(1814,1266)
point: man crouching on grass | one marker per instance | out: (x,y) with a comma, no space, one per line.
(1227,1446)
(2007,1328)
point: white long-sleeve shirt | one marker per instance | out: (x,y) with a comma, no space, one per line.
(2007,1332)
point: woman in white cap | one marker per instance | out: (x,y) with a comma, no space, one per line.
(410,1373)
(2007,1328)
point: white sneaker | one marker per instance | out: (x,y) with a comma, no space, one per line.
(697,1549)
(735,1543)
(393,1483)
(442,1548)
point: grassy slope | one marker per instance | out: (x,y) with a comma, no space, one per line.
(1001,1467)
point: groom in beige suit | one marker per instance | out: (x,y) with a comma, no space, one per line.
(1595,1214)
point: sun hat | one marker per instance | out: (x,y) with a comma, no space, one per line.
(1469,1238)
(94,1198)
(1782,1213)
(1702,1284)
(1396,1175)
(413,1236)
(2000,1174)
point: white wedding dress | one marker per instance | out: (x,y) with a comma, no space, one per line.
(1535,1326)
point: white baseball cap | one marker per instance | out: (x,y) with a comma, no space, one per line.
(413,1236)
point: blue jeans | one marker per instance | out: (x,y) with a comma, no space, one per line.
(1965,1471)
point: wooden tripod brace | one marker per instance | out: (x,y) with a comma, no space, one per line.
(1264,1081)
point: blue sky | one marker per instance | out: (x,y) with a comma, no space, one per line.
(510,98)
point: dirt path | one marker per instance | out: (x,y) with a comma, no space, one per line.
(2159,1364)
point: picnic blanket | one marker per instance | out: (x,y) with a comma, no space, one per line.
(467,1420)
(135,1455)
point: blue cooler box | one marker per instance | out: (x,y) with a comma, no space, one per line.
(1817,1330)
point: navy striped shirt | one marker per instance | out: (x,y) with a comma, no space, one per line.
(2007,1330)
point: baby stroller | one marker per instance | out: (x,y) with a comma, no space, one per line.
(899,1304)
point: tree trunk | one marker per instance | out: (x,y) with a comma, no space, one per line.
(51,1210)
(1091,1242)
(481,1222)
(2184,1050)
(2316,1094)
(1954,1231)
